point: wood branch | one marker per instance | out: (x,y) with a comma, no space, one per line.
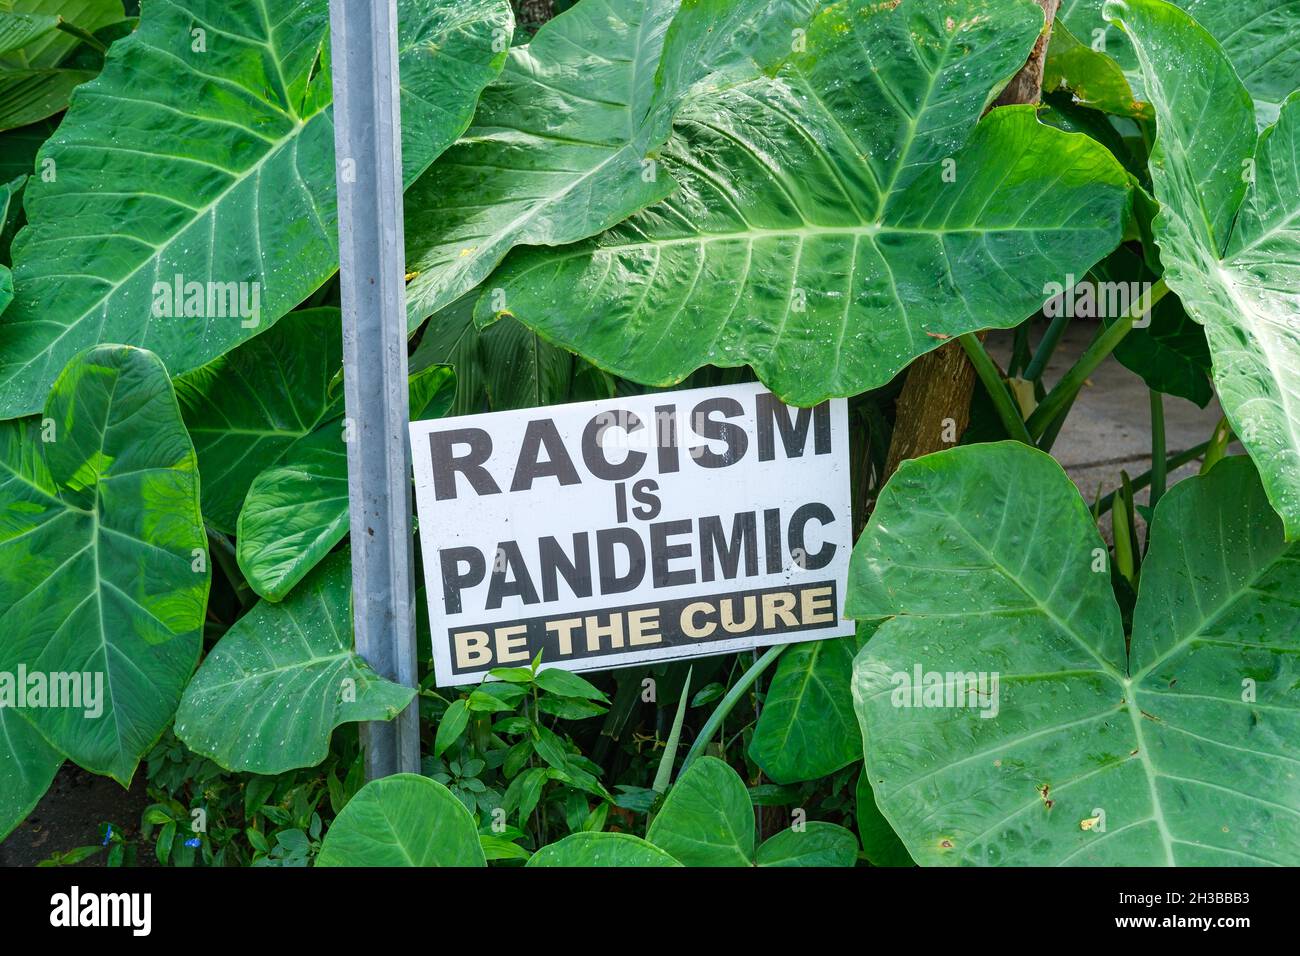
(1027,85)
(933,408)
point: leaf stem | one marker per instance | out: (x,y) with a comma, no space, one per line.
(85,37)
(664,774)
(1217,446)
(1072,381)
(1159,479)
(1043,354)
(1054,427)
(1144,479)
(729,701)
(996,388)
(1122,532)
(1020,349)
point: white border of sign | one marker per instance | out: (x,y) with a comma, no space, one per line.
(742,485)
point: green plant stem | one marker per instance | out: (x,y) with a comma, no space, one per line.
(1019,350)
(89,39)
(729,701)
(1144,479)
(1159,479)
(1065,390)
(996,388)
(1122,532)
(1043,354)
(1054,427)
(1217,446)
(664,773)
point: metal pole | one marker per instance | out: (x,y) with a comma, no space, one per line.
(367,142)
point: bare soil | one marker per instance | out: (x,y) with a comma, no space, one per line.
(73,813)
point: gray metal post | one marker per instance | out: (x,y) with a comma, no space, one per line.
(367,142)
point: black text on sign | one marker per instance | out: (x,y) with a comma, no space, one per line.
(602,534)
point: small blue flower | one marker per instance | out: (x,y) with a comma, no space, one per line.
(194,842)
(108,836)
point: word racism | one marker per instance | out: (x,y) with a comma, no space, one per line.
(661,526)
(74,908)
(77,690)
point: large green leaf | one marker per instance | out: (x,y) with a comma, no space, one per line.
(27,765)
(601,849)
(402,820)
(295,513)
(506,365)
(49,47)
(522,370)
(221,168)
(830,226)
(708,820)
(103,563)
(6,287)
(244,409)
(813,844)
(556,152)
(296,510)
(986,560)
(17,30)
(452,49)
(451,338)
(28,96)
(1093,78)
(566,142)
(35,82)
(268,696)
(807,728)
(1230,247)
(880,844)
(1258,37)
(730,39)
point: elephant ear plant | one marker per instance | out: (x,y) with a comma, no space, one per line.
(838,214)
(103,571)
(1228,231)
(642,194)
(707,820)
(231,177)
(213,124)
(1007,717)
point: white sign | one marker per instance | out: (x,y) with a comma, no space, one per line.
(647,528)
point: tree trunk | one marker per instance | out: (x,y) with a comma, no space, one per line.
(1027,85)
(934,407)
